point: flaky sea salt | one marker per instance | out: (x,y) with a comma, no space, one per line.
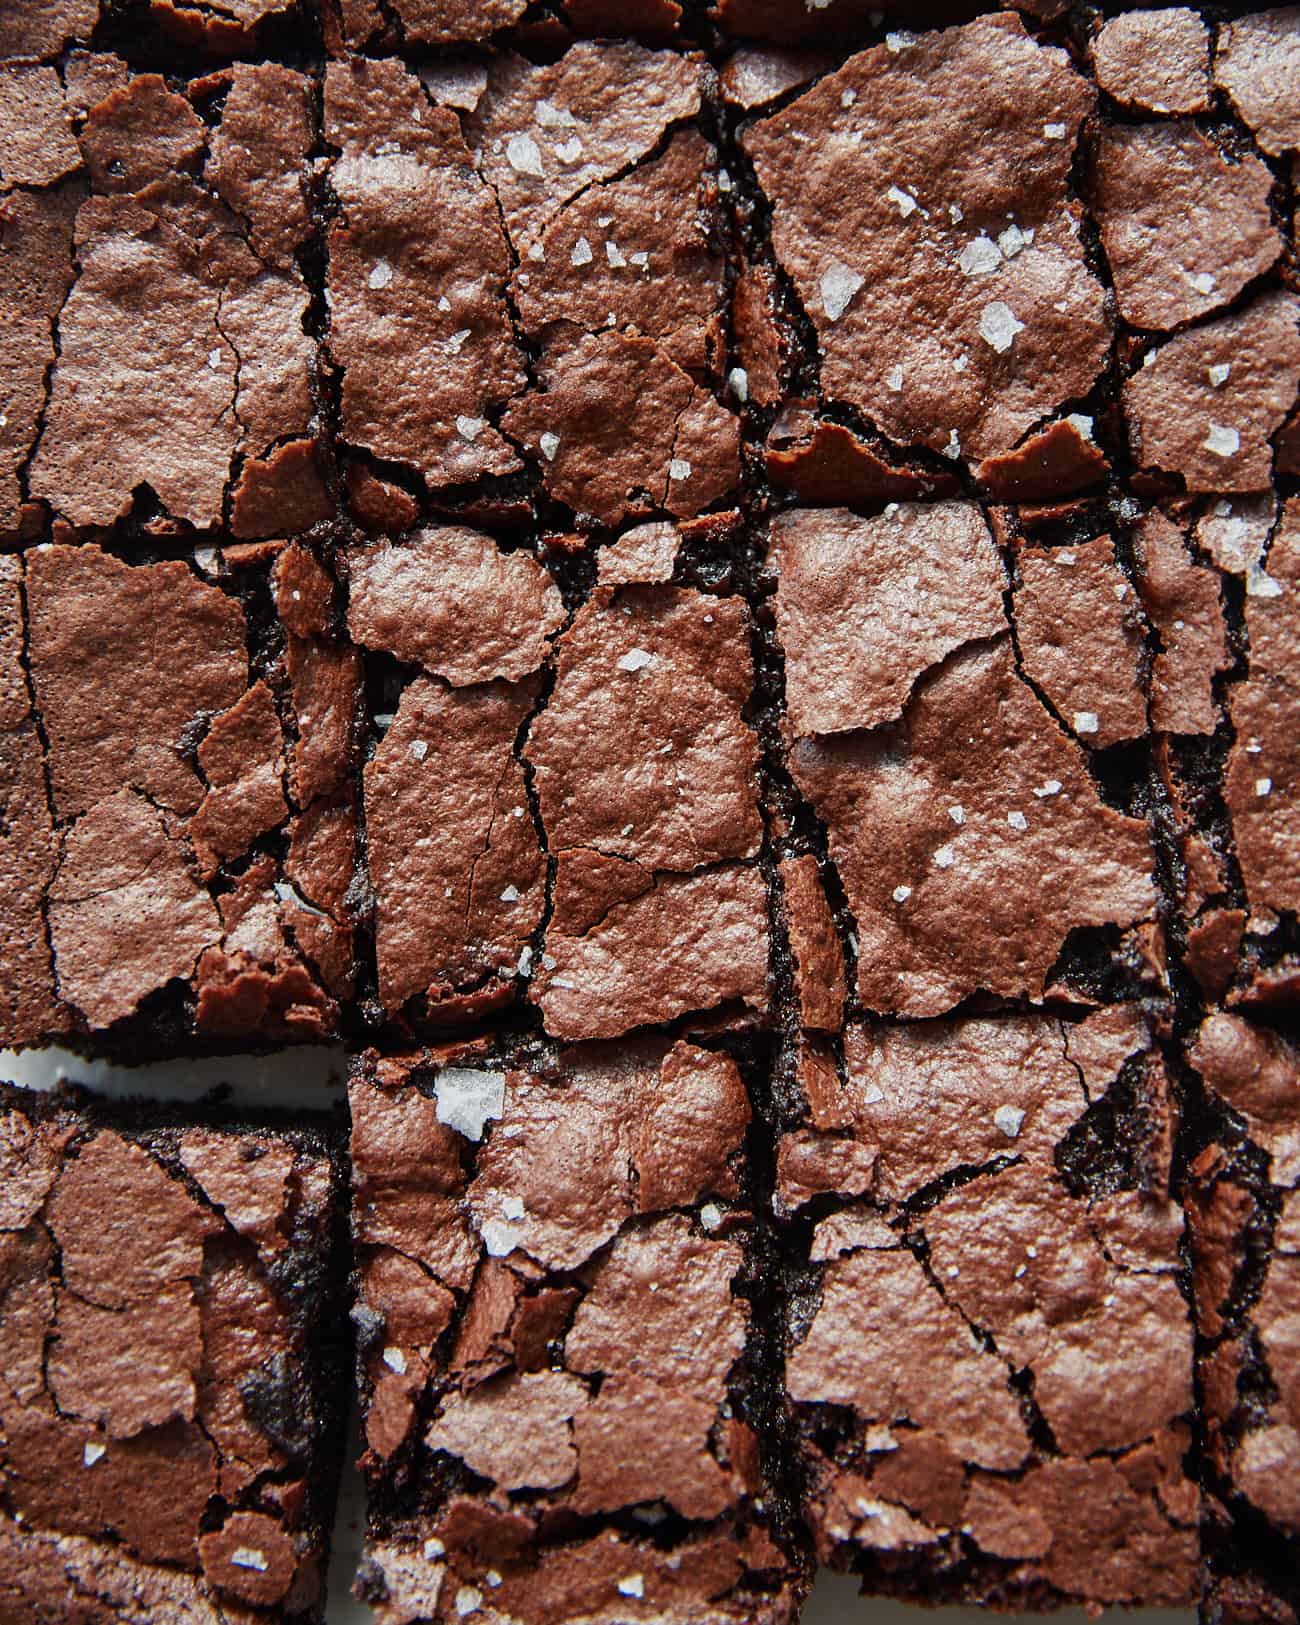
(524,156)
(999,326)
(467,1098)
(1009,1119)
(840,285)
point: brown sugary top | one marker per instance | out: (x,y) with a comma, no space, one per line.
(155,1417)
(922,1319)
(592,1201)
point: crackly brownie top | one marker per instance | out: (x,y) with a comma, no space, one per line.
(168,764)
(1050,1278)
(183,365)
(159,1295)
(549,1258)
(920,202)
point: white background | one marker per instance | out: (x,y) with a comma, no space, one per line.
(308,1079)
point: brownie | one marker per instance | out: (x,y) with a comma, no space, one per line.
(163,250)
(585,256)
(969,837)
(1245,1227)
(179,831)
(990,1361)
(560,804)
(171,1412)
(564,1413)
(921,208)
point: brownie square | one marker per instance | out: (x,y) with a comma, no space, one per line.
(561,804)
(921,207)
(990,1352)
(179,836)
(164,256)
(170,1356)
(587,254)
(566,1406)
(946,757)
(1245,1226)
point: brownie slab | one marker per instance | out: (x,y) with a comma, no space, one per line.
(563,1412)
(920,206)
(946,761)
(990,1359)
(1245,1226)
(177,764)
(169,1364)
(183,368)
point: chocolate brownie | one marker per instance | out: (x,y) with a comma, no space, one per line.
(171,1410)
(969,837)
(1245,1227)
(983,1216)
(563,804)
(182,384)
(585,256)
(921,208)
(564,1415)
(179,821)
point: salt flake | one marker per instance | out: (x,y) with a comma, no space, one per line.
(467,1098)
(470,428)
(902,893)
(248,1557)
(1222,442)
(1219,373)
(1009,1119)
(92,1452)
(635,660)
(1263,787)
(999,326)
(551,117)
(839,288)
(632,1585)
(1086,722)
(523,155)
(980,257)
(549,444)
(395,1360)
(381,276)
(904,201)
(1017,820)
(582,254)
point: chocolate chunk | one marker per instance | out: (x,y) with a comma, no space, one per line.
(865,607)
(945,324)
(451,601)
(414,225)
(1258,64)
(1080,635)
(1183,600)
(1188,416)
(153,1361)
(970,841)
(1156,60)
(457,873)
(684,451)
(1184,228)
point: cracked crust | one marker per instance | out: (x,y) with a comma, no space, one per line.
(197,824)
(143,1424)
(581,1235)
